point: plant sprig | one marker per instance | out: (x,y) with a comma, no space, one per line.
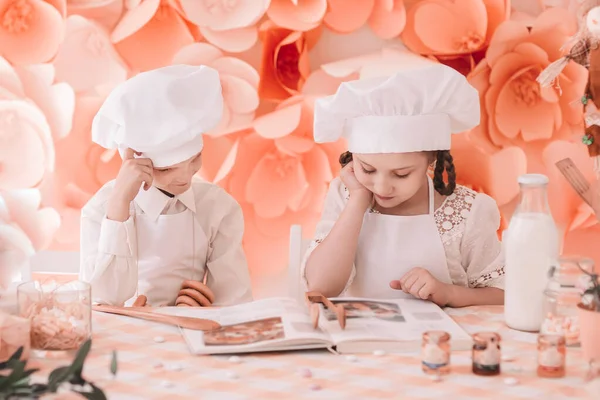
(15,378)
(592,293)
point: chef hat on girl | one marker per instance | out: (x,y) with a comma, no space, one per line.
(412,110)
(161,113)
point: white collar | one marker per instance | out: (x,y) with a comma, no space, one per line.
(153,201)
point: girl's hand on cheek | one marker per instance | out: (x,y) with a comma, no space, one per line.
(355,188)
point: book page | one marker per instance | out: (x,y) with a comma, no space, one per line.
(268,323)
(389,320)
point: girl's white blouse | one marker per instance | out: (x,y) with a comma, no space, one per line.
(467,222)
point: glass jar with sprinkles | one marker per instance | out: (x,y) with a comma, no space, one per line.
(435,352)
(562,295)
(486,353)
(551,356)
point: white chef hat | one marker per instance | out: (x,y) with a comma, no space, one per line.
(161,113)
(412,110)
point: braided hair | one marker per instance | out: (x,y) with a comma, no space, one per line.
(444,163)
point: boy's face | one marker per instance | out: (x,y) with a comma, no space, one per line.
(177,178)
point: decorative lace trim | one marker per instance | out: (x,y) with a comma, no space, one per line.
(485,278)
(450,217)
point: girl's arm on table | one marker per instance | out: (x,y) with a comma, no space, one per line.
(330,263)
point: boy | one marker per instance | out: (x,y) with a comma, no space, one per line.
(157,229)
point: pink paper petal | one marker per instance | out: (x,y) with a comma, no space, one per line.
(279,123)
(228,163)
(345,16)
(302,16)
(294,145)
(240,96)
(234,40)
(386,22)
(10,80)
(197,54)
(134,19)
(223,17)
(238,68)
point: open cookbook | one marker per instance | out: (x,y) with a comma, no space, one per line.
(282,324)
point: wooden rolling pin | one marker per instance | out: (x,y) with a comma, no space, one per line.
(197,324)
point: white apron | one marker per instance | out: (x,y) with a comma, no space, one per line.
(171,249)
(390,245)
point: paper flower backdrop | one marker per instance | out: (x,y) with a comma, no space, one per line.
(60,58)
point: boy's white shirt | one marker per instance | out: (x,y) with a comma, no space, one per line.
(467,222)
(108,248)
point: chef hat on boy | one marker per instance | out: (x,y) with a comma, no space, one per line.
(412,110)
(161,113)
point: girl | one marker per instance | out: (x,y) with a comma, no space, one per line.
(157,229)
(387,229)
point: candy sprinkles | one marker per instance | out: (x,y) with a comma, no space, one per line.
(436,353)
(60,315)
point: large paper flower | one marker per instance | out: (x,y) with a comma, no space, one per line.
(515,109)
(278,174)
(31,30)
(284,65)
(24,228)
(150,33)
(454,32)
(385,17)
(238,79)
(33,110)
(82,167)
(493,173)
(229,25)
(87,60)
(446,27)
(297,15)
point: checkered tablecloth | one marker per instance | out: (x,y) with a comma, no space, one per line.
(150,370)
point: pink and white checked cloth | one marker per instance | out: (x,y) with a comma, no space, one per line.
(150,370)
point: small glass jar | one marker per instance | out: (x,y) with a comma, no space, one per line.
(60,314)
(486,353)
(435,353)
(551,356)
(562,295)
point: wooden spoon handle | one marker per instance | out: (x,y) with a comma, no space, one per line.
(197,324)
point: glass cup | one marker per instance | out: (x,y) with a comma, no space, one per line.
(60,315)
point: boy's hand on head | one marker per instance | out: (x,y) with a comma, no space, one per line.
(194,294)
(133,173)
(355,188)
(420,283)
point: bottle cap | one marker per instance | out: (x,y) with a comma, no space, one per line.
(533,179)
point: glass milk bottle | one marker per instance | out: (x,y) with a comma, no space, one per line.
(531,246)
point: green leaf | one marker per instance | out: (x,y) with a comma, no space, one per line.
(77,366)
(56,377)
(95,394)
(113,363)
(16,356)
(14,377)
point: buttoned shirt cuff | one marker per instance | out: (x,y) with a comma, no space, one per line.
(116,237)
